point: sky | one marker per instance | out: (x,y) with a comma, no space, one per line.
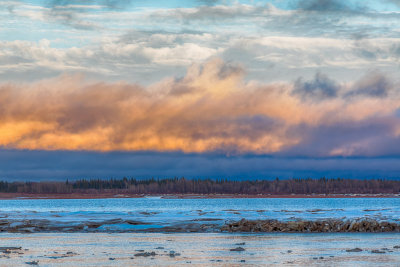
(201,89)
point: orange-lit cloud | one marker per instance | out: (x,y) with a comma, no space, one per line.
(212,108)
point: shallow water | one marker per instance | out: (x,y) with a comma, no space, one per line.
(159,212)
(99,249)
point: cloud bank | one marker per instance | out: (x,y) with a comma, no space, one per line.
(211,109)
(60,165)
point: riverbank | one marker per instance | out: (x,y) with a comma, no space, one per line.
(5,196)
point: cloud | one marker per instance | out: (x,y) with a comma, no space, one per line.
(69,12)
(396,2)
(374,84)
(213,12)
(148,56)
(73,12)
(142,60)
(325,6)
(320,88)
(211,109)
(374,136)
(208,2)
(186,114)
(60,165)
(111,4)
(304,18)
(70,18)
(145,45)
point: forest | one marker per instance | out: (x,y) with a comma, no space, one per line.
(206,186)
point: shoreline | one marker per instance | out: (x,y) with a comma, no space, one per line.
(19,196)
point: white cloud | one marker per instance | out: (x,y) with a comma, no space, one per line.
(272,43)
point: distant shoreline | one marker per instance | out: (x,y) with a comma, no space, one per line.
(202,188)
(8,196)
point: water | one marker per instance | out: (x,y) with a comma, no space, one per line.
(158,212)
(111,248)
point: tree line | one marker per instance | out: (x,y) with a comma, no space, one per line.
(206,186)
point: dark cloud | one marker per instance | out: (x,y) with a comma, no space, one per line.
(373,84)
(60,165)
(370,137)
(327,6)
(229,69)
(321,87)
(228,128)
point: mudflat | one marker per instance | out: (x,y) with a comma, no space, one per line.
(195,249)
